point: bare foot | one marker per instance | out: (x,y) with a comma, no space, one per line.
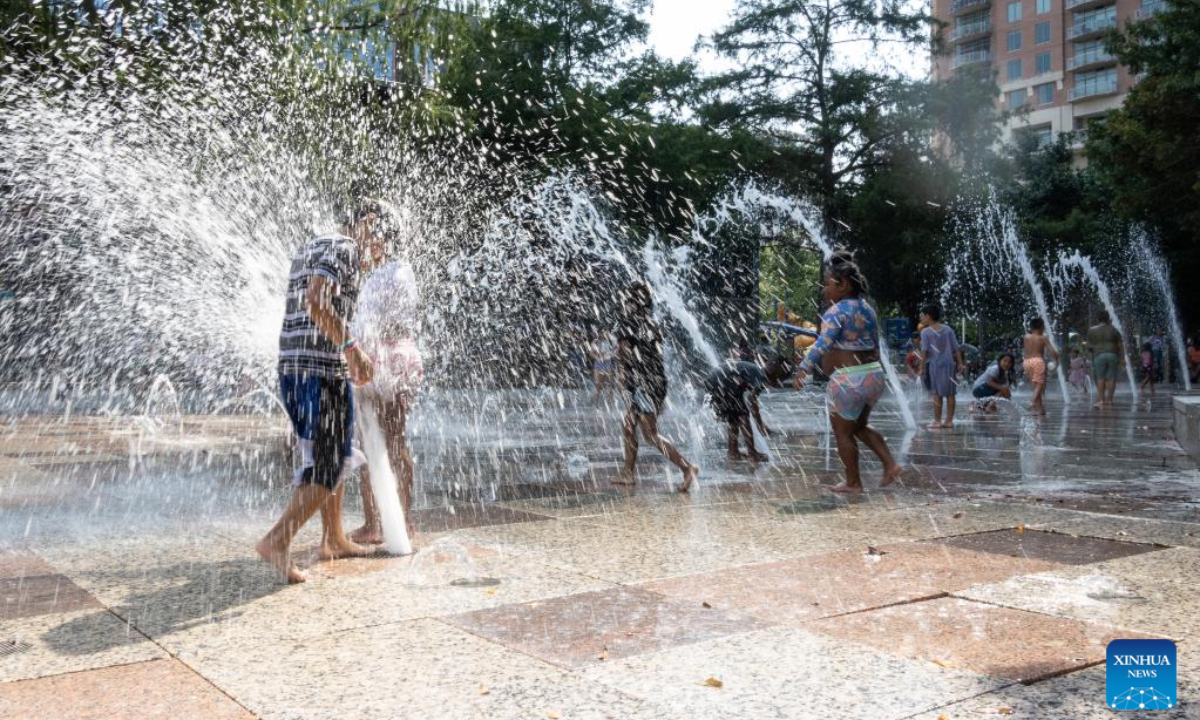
(891,475)
(934,426)
(689,477)
(1099,404)
(281,560)
(948,426)
(345,548)
(735,456)
(759,457)
(625,477)
(368,535)
(845,489)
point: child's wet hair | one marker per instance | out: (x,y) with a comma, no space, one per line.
(933,310)
(1037,324)
(841,267)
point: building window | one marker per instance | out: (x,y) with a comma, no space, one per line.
(1014,41)
(1043,137)
(1043,63)
(1041,33)
(1016,98)
(1043,7)
(1044,93)
(1014,70)
(1100,82)
(1014,12)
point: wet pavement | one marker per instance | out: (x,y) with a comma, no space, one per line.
(987,584)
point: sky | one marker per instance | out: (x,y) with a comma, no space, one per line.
(675,24)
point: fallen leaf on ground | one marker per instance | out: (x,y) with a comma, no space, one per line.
(706,606)
(553,714)
(1004,710)
(603,654)
(483,689)
(712,682)
(948,664)
(1020,529)
(492,591)
(957,515)
(943,716)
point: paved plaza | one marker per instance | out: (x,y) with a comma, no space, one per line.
(987,585)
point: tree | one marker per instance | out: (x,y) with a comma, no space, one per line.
(1146,152)
(793,85)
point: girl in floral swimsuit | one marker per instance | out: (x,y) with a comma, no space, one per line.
(848,352)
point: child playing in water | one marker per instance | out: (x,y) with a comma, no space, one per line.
(995,382)
(942,359)
(847,351)
(1036,345)
(727,387)
(1079,372)
(1147,367)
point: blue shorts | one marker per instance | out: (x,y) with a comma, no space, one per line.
(322,413)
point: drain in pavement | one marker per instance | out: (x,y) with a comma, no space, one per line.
(13,647)
(475,582)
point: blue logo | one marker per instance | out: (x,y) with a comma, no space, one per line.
(1141,675)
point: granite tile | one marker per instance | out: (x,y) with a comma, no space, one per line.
(1054,547)
(1152,593)
(141,691)
(21,562)
(462,515)
(41,595)
(1128,529)
(421,668)
(69,642)
(816,586)
(588,628)
(568,698)
(986,639)
(1076,696)
(445,579)
(637,549)
(787,673)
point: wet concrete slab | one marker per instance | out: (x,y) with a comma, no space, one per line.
(794,591)
(139,691)
(590,628)
(45,645)
(1053,547)
(787,673)
(986,639)
(519,521)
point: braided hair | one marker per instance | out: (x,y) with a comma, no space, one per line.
(842,267)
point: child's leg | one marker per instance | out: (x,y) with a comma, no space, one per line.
(629,438)
(371,530)
(334,543)
(731,433)
(951,403)
(937,410)
(649,425)
(748,434)
(275,545)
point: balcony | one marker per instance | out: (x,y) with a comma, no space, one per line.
(1091,28)
(1150,8)
(1085,4)
(971,31)
(1092,90)
(971,58)
(958,7)
(1090,59)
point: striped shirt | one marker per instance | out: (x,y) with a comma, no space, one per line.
(303,348)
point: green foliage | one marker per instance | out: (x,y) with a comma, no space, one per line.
(792,84)
(1146,154)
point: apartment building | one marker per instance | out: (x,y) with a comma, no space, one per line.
(1049,56)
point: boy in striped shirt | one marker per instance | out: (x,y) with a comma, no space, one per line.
(318,361)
